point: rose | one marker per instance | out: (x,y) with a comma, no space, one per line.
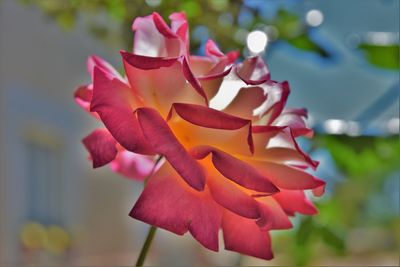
(239,169)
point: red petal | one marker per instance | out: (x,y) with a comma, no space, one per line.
(83,96)
(187,72)
(147,63)
(235,169)
(295,201)
(113,101)
(96,61)
(101,146)
(287,177)
(253,71)
(244,236)
(162,26)
(212,49)
(273,217)
(132,165)
(167,202)
(159,135)
(231,197)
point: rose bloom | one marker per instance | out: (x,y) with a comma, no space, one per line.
(238,169)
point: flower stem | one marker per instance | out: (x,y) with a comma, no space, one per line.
(152,230)
(146,246)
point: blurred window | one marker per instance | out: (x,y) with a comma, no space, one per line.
(43,181)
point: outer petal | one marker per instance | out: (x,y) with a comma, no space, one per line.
(83,96)
(101,146)
(96,61)
(272,215)
(212,49)
(133,165)
(253,71)
(113,101)
(244,236)
(287,177)
(236,170)
(167,202)
(295,201)
(230,196)
(158,134)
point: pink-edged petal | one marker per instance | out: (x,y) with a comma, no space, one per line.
(233,55)
(287,177)
(278,144)
(148,40)
(132,165)
(101,146)
(187,72)
(231,197)
(277,108)
(236,170)
(160,85)
(162,26)
(83,96)
(212,49)
(319,191)
(113,101)
(96,61)
(167,202)
(159,135)
(295,201)
(179,26)
(246,101)
(147,63)
(211,118)
(244,236)
(273,217)
(253,71)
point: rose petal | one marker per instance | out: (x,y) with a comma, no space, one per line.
(101,146)
(244,236)
(114,102)
(212,49)
(209,119)
(159,135)
(167,202)
(83,96)
(273,217)
(246,101)
(132,165)
(295,201)
(236,170)
(161,86)
(287,177)
(231,197)
(253,70)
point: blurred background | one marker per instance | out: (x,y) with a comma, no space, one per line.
(340,57)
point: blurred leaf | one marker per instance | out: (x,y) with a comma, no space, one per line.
(288,24)
(382,56)
(304,42)
(305,230)
(332,239)
(66,20)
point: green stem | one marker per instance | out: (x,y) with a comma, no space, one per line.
(152,230)
(146,246)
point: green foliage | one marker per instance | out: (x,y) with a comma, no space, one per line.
(382,56)
(116,30)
